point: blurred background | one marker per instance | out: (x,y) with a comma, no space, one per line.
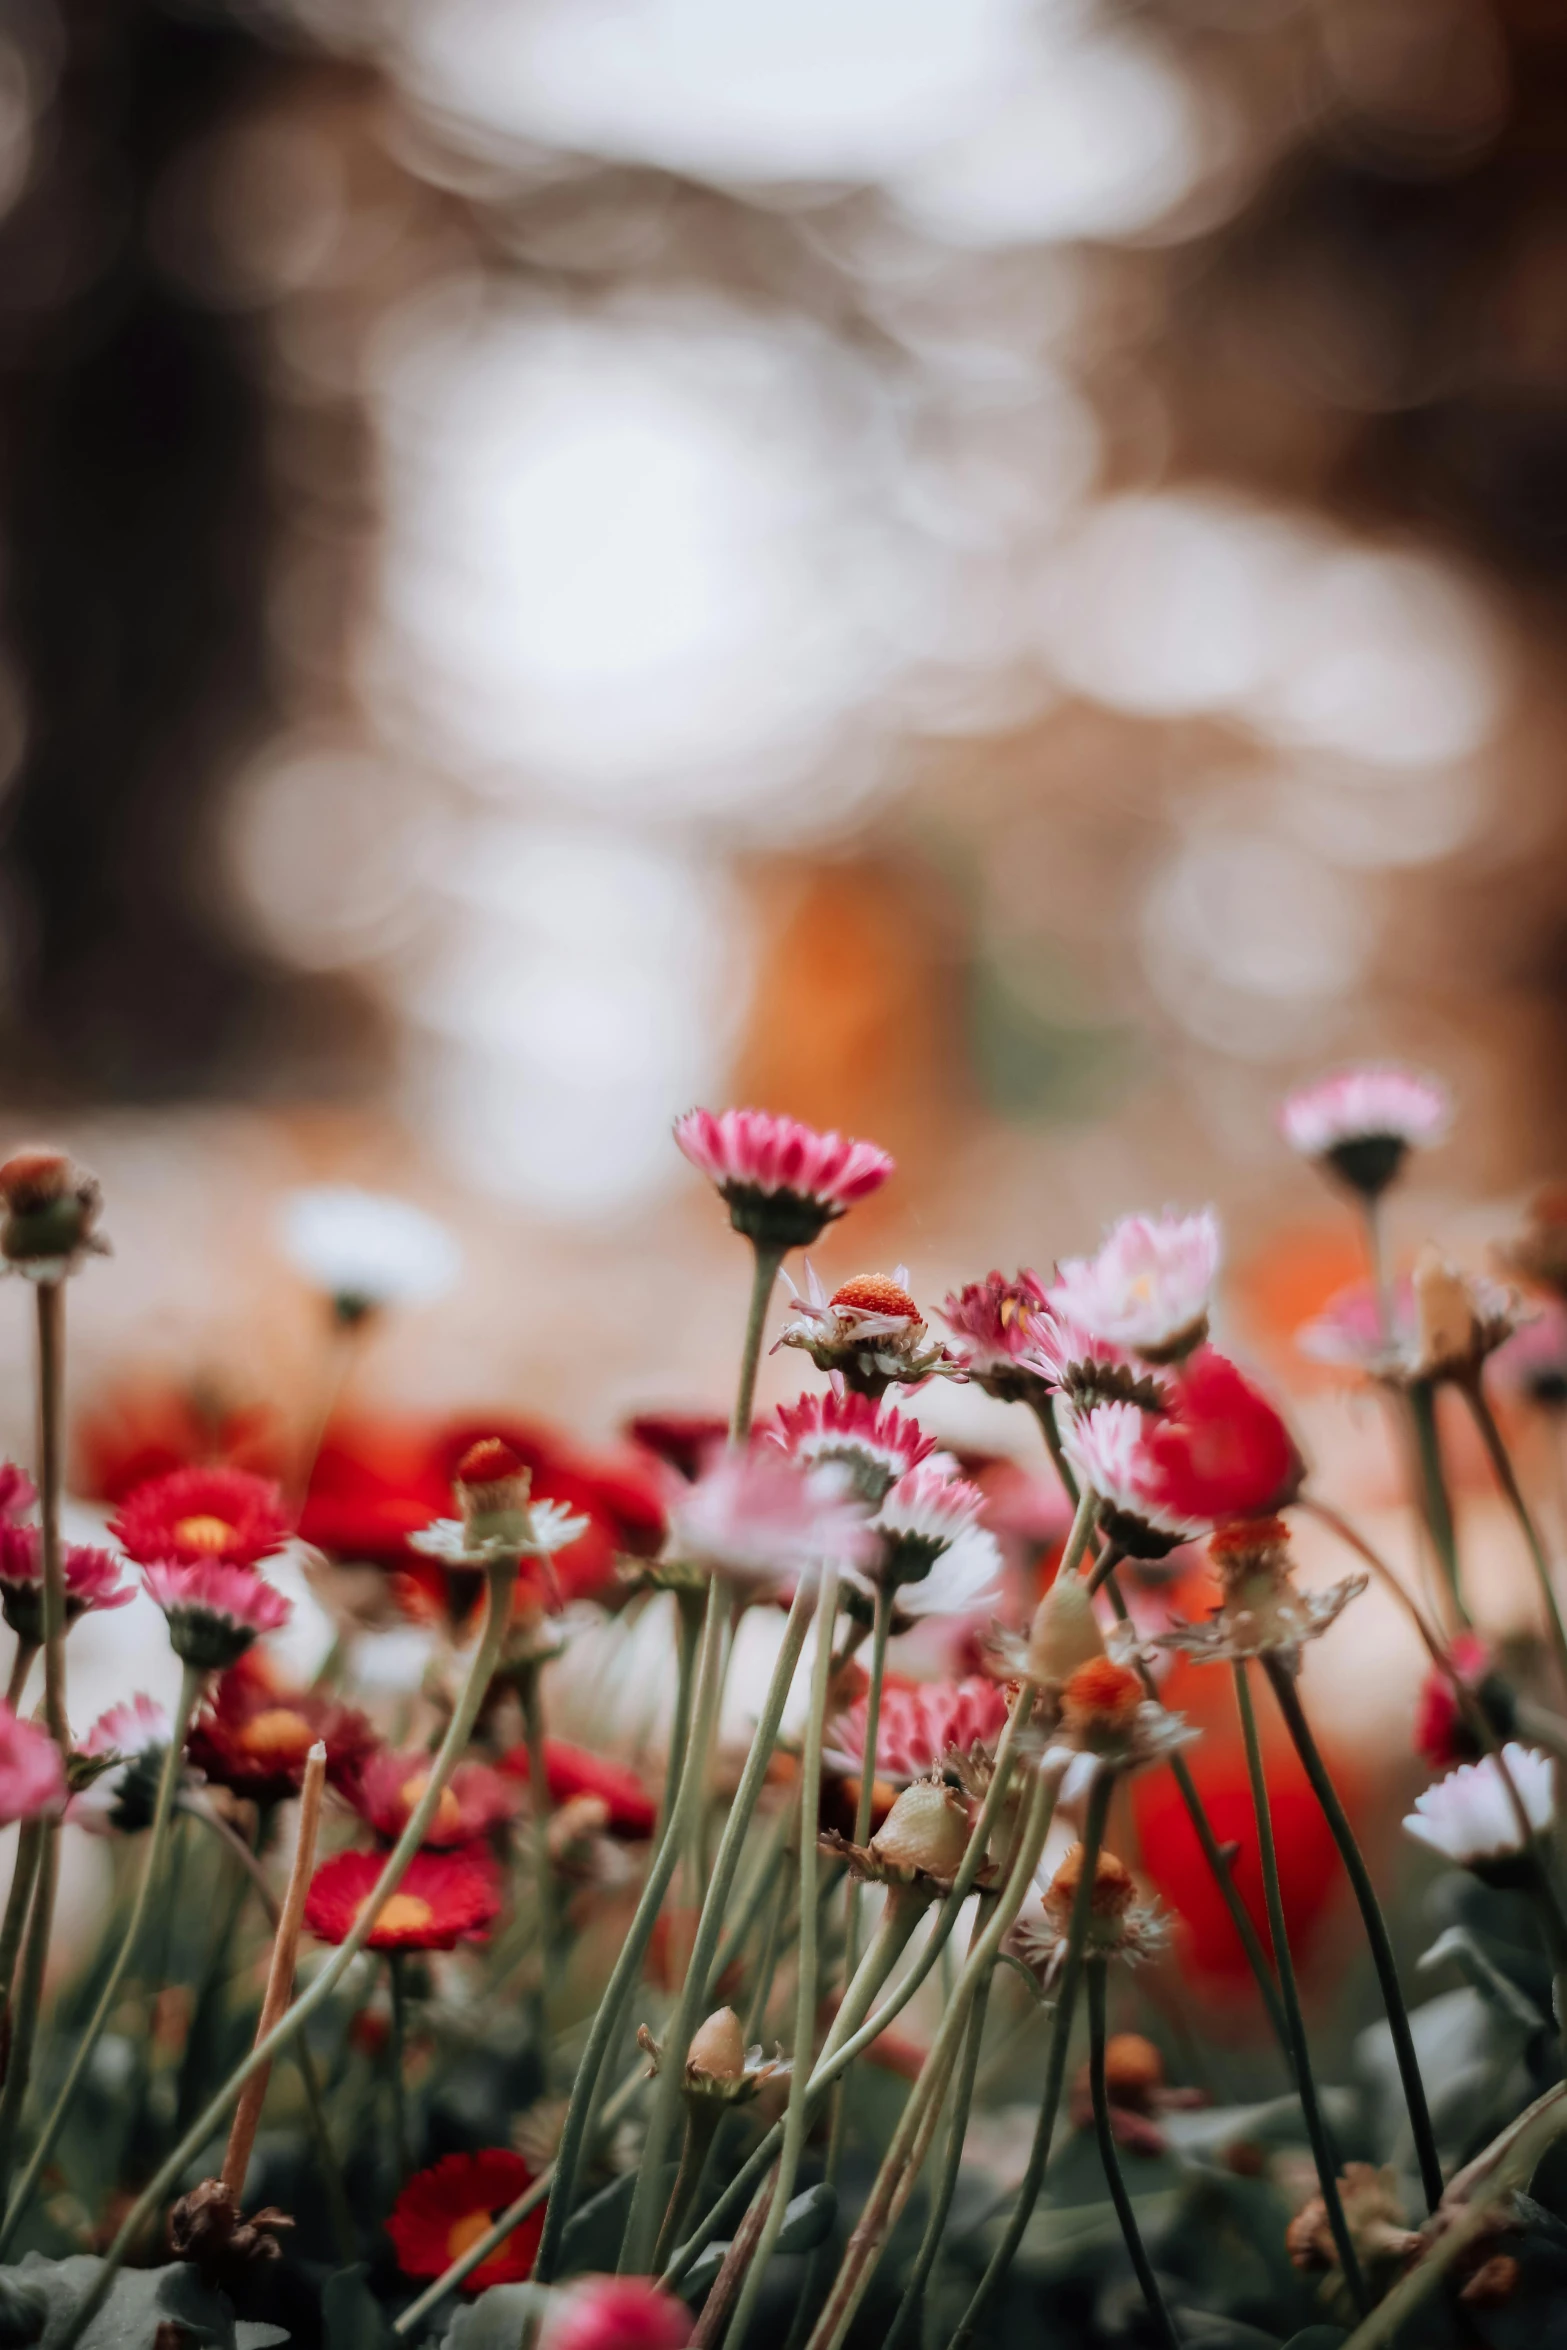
(988,574)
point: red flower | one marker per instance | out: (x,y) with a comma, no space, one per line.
(141,1430)
(443,2210)
(474,1800)
(92,1580)
(615,2313)
(1442,1733)
(443,1897)
(682,1440)
(1219,1449)
(573,1770)
(254,1736)
(196,1515)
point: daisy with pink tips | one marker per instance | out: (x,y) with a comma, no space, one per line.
(935,1556)
(215,1612)
(32,1775)
(1363,1123)
(1149,1287)
(919,1728)
(873,1443)
(133,1739)
(92,1580)
(781,1180)
(764,1522)
(1108,1448)
(1470,1817)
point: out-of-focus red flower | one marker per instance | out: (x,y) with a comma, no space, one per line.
(474,1800)
(196,1516)
(445,2209)
(681,1440)
(615,2313)
(143,1430)
(444,1897)
(1219,1450)
(255,1734)
(574,1770)
(1172,1859)
(1442,1734)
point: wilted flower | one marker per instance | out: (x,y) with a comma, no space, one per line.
(1119,1925)
(445,2209)
(120,1799)
(197,1515)
(873,1443)
(1262,1612)
(215,1612)
(1469,1817)
(474,1800)
(443,1898)
(32,1775)
(49,1209)
(615,2313)
(918,1728)
(1105,1718)
(1460,1318)
(365,1250)
(92,1580)
(782,1182)
(763,1521)
(1374,2215)
(1148,1288)
(1363,1123)
(870,1332)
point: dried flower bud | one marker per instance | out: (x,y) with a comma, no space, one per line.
(1065,1632)
(1113,1893)
(926,1831)
(51,1207)
(717,2051)
(1101,1698)
(205,2228)
(1252,1546)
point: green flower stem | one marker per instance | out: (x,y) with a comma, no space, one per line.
(1081,1533)
(1218,1865)
(703,2115)
(397,2054)
(767,1877)
(1055,2069)
(500,1579)
(191,1683)
(864,2250)
(514,2214)
(1043,1406)
(881,1627)
(1111,2159)
(641,2223)
(690,1607)
(29,1993)
(1436,1503)
(1104,1566)
(854,2029)
(686,1771)
(1282,1682)
(952,2156)
(795,2112)
(772,1944)
(768,1258)
(51,1453)
(21,1666)
(1375,1226)
(24,1875)
(531,1698)
(1316,2129)
(1507,1477)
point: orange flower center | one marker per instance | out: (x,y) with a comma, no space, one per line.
(1101,1695)
(448,1812)
(876,1293)
(466,2231)
(205,1532)
(277,1735)
(405,1913)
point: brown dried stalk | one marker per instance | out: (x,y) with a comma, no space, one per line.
(280,1976)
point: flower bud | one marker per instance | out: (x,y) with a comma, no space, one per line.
(926,1831)
(1065,1632)
(1114,1887)
(717,2051)
(492,1490)
(1101,1699)
(50,1207)
(1251,1546)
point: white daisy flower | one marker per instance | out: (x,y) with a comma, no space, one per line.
(1469,1816)
(365,1250)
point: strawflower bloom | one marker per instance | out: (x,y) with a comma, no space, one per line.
(474,1800)
(996,1325)
(1119,1925)
(1149,1287)
(935,1556)
(49,1209)
(1363,1123)
(763,1522)
(365,1250)
(1469,1817)
(783,1182)
(215,1612)
(874,1444)
(32,1776)
(919,1728)
(1263,1612)
(445,2209)
(499,1519)
(869,1332)
(120,1799)
(196,1515)
(92,1580)
(443,1899)
(255,1735)
(615,2313)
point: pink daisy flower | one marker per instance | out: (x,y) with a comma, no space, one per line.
(92,1580)
(935,1555)
(783,1181)
(32,1776)
(474,1800)
(874,1443)
(919,1728)
(1108,1448)
(1364,1122)
(215,1611)
(763,1522)
(121,1799)
(1148,1288)
(995,1322)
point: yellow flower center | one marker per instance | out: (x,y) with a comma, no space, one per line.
(205,1532)
(277,1735)
(466,2231)
(448,1812)
(405,1913)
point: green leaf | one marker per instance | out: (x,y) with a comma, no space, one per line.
(496,2320)
(351,2316)
(809,2219)
(1463,1949)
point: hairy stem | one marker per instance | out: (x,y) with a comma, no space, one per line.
(768,1257)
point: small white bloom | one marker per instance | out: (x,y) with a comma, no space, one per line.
(965,1578)
(1149,1287)
(1469,1816)
(364,1249)
(551,1526)
(1365,1105)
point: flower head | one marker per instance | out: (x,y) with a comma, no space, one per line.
(873,1443)
(1469,1816)
(1362,1123)
(921,1841)
(1263,1612)
(32,1776)
(615,2313)
(1119,1925)
(996,1325)
(1108,1447)
(49,1209)
(1443,1735)
(934,1553)
(764,1522)
(443,1898)
(365,1250)
(92,1580)
(499,1521)
(1148,1288)
(215,1612)
(443,2210)
(782,1182)
(574,1771)
(870,1332)
(121,1799)
(1105,1718)
(196,1515)
(1216,1450)
(474,1800)
(719,2066)
(919,1728)
(255,1735)
(17,1492)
